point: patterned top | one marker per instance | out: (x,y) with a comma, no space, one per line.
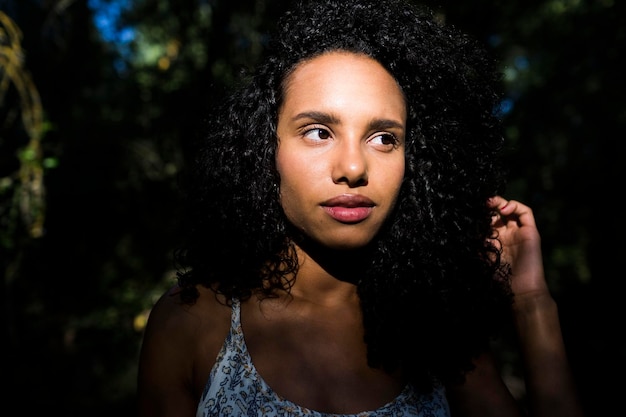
(236,389)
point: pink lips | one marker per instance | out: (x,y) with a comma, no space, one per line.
(349,208)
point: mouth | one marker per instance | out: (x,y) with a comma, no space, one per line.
(349,208)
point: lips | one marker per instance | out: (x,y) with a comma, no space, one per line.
(349,208)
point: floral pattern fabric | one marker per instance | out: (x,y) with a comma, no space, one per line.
(236,389)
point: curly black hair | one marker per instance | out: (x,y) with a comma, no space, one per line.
(434,289)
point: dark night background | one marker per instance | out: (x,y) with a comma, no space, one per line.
(98,100)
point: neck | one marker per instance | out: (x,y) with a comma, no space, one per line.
(325,274)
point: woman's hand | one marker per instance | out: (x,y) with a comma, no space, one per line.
(516,234)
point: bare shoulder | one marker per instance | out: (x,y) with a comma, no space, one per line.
(180,344)
(171,314)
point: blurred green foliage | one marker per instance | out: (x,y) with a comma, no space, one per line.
(93,136)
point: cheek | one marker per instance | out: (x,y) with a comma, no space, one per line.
(297,168)
(292,188)
(286,168)
(394,172)
(395,176)
(292,169)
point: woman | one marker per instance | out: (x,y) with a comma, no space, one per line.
(349,253)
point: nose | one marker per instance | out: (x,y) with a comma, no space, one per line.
(350,164)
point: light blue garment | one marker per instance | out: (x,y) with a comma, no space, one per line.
(236,389)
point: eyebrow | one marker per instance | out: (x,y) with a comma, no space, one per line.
(318,116)
(326,118)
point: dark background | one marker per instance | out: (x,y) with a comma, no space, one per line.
(93,131)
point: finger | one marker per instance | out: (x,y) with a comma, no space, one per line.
(514,210)
(496,202)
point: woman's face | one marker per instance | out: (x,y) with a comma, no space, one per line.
(341,132)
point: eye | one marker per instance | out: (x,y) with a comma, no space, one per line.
(317,133)
(384,139)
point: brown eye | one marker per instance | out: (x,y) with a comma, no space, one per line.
(388,139)
(317,134)
(384,139)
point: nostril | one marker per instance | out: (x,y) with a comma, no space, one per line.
(359,181)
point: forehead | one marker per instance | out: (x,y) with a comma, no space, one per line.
(340,77)
(337,63)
